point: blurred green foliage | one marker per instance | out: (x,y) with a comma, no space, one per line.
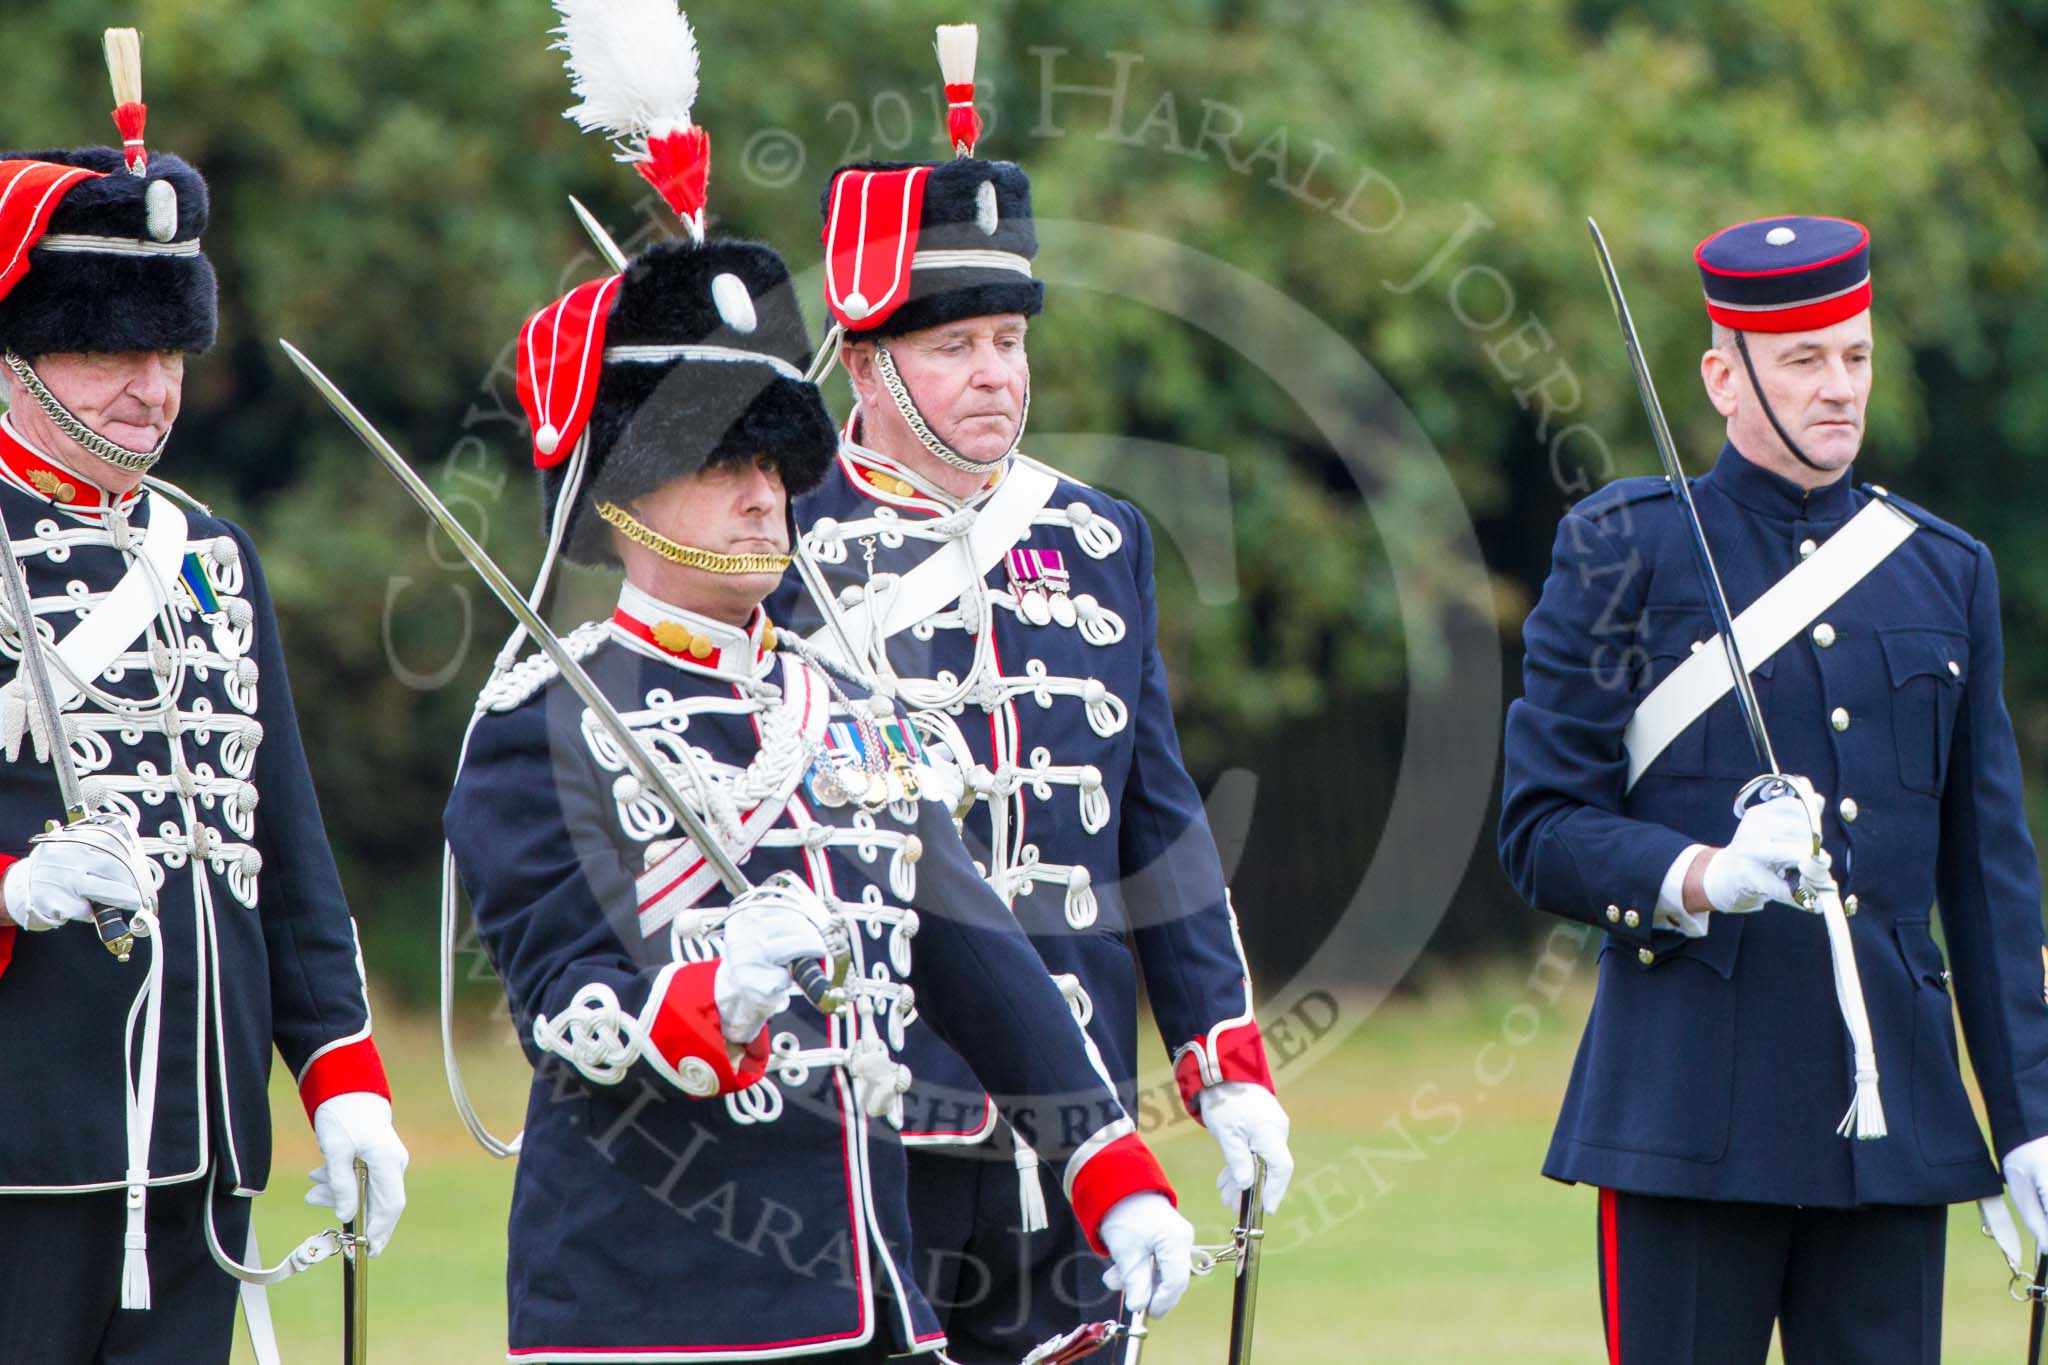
(389,181)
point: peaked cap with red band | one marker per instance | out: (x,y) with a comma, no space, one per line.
(910,245)
(1788,274)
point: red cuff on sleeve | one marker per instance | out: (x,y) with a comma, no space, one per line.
(686,1030)
(8,929)
(1123,1168)
(343,1071)
(1237,1053)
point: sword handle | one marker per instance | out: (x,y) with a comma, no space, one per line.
(115,935)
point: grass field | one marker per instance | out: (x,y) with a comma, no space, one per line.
(1418,1229)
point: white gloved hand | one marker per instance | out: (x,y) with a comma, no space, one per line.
(69,872)
(1247,1121)
(2026,1177)
(1772,840)
(1151,1249)
(347,1127)
(753,980)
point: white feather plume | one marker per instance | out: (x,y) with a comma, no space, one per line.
(956,44)
(633,63)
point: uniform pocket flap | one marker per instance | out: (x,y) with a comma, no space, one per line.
(1922,956)
(1915,651)
(1673,633)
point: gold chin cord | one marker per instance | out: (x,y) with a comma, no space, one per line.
(711,561)
(355,1276)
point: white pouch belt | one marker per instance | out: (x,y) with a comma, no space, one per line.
(1786,608)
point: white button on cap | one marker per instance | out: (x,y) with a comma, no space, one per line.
(1839,717)
(857,306)
(1849,810)
(1781,236)
(1824,635)
(1807,547)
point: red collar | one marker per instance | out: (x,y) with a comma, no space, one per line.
(25,468)
(697,642)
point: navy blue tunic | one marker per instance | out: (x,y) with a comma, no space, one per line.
(1717,1067)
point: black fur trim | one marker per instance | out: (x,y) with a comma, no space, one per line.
(74,301)
(949,222)
(657,421)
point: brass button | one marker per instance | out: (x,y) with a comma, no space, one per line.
(1849,903)
(1849,810)
(1955,670)
(1824,635)
(1645,956)
(1839,718)
(1613,914)
(1807,547)
(1880,490)
(1631,919)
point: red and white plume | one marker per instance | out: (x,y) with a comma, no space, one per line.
(633,63)
(124,69)
(957,44)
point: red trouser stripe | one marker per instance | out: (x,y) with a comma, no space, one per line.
(1610,1271)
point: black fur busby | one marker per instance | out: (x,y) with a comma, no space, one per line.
(969,205)
(655,420)
(127,296)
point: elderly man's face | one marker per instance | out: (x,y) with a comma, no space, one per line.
(1818,383)
(968,378)
(129,397)
(738,508)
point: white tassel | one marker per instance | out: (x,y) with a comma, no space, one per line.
(957,45)
(1865,1119)
(135,1260)
(124,64)
(1030,1189)
(633,63)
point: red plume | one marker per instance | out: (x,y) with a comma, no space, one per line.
(679,166)
(963,120)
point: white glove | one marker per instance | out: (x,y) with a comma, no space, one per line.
(2026,1175)
(1151,1248)
(1247,1121)
(753,980)
(70,871)
(351,1126)
(1772,840)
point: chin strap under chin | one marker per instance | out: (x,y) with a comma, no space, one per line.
(121,457)
(885,365)
(1742,345)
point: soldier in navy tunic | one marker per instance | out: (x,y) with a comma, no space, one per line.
(1706,1096)
(137,1108)
(706,1174)
(1012,610)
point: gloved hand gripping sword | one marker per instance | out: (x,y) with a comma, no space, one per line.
(1817,890)
(115,934)
(826,993)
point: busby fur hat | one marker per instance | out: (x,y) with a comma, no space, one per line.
(694,355)
(99,247)
(912,244)
(661,412)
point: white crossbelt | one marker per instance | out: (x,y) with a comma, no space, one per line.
(112,627)
(934,584)
(1786,608)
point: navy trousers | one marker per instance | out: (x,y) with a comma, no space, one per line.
(60,1280)
(1702,1282)
(999,1291)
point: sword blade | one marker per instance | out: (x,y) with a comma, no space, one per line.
(1667,452)
(602,240)
(2039,1317)
(355,1278)
(630,748)
(114,932)
(1244,1300)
